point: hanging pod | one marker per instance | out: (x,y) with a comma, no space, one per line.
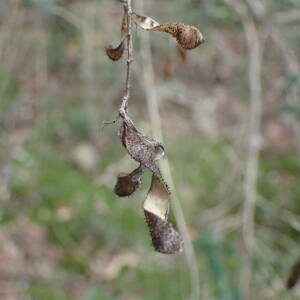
(187,36)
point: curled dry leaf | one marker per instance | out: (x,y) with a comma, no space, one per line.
(115,53)
(127,184)
(156,208)
(188,37)
(164,237)
(294,276)
(142,149)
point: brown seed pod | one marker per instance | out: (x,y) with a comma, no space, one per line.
(140,148)
(164,237)
(188,37)
(115,53)
(127,184)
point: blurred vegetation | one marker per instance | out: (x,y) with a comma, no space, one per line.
(64,234)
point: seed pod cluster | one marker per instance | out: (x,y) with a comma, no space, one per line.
(144,150)
(147,151)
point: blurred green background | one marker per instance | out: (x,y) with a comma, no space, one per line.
(64,234)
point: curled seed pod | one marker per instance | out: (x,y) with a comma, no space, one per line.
(294,276)
(187,36)
(164,237)
(140,148)
(158,198)
(127,184)
(115,53)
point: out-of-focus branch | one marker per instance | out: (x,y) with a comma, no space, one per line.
(83,27)
(254,139)
(289,16)
(256,7)
(255,60)
(289,56)
(148,82)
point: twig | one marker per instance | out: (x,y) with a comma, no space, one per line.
(123,110)
(156,124)
(124,106)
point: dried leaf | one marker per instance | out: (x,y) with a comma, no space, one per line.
(164,237)
(188,37)
(142,149)
(294,276)
(115,53)
(127,184)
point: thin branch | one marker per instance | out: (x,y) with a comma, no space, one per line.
(124,106)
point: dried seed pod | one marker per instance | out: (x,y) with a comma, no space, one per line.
(164,237)
(188,37)
(294,276)
(127,184)
(140,148)
(115,53)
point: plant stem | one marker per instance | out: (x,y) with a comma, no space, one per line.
(124,106)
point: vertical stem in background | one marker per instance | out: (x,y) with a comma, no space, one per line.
(156,125)
(254,145)
(254,142)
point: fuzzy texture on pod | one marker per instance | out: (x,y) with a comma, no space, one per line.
(164,237)
(187,36)
(127,184)
(140,148)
